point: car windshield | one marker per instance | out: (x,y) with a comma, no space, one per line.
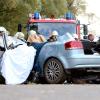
(47,28)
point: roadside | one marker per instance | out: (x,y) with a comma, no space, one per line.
(50,92)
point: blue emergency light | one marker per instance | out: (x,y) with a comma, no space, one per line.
(36,15)
(69,16)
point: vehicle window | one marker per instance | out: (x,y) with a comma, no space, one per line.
(46,28)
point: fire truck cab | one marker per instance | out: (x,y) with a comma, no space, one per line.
(47,25)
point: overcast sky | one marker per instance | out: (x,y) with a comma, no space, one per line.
(93,7)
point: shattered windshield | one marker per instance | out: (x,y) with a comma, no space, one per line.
(47,28)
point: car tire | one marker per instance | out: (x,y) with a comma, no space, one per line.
(54,71)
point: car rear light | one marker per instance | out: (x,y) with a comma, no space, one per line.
(73,45)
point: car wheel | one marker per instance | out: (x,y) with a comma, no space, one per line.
(54,71)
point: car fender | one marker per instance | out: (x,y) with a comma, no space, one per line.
(51,50)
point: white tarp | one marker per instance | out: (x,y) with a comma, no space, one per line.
(17,64)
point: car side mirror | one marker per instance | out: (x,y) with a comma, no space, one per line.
(85,29)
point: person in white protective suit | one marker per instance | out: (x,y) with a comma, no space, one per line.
(17,63)
(20,36)
(53,36)
(8,38)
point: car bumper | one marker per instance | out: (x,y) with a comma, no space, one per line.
(83,61)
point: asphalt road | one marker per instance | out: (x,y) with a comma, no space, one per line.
(50,92)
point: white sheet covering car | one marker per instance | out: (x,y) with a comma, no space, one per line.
(17,64)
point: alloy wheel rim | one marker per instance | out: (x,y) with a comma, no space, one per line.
(53,70)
